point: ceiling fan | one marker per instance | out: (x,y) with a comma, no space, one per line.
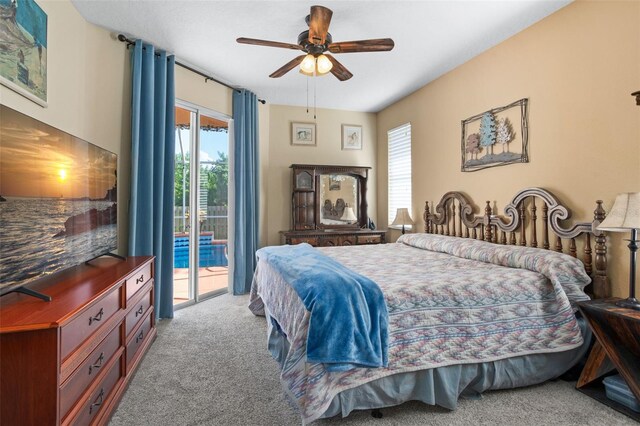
(315,42)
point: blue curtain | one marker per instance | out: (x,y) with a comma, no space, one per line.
(152,156)
(245,128)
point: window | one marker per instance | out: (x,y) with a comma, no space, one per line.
(399,169)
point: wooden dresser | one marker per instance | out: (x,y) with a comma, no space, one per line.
(329,207)
(68,361)
(322,238)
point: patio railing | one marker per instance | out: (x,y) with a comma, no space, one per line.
(213,220)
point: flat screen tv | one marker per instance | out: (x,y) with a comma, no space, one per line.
(58,198)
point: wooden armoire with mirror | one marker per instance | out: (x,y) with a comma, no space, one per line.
(329,206)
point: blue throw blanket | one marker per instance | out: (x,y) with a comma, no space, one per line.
(349,322)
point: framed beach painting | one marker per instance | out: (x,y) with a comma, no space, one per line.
(303,134)
(351,137)
(23,49)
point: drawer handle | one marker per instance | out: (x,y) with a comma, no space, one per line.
(140,311)
(97,364)
(140,280)
(97,318)
(97,402)
(140,336)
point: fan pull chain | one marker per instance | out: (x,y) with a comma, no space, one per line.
(315,85)
(307,95)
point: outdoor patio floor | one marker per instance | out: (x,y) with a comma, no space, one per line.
(211,278)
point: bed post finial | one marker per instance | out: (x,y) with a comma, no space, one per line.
(487,222)
(425,216)
(600,280)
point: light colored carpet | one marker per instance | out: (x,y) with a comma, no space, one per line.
(210,366)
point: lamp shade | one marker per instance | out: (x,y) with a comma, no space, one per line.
(324,64)
(624,215)
(402,217)
(308,64)
(348,215)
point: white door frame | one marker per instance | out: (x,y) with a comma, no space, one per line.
(194,200)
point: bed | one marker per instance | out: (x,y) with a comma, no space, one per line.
(474,303)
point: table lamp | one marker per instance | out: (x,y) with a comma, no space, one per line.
(625,217)
(348,215)
(402,218)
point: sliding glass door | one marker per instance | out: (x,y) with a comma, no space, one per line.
(201,204)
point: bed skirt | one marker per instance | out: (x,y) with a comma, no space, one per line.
(444,385)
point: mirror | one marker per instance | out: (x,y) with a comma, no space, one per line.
(338,199)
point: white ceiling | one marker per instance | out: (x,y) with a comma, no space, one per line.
(431,38)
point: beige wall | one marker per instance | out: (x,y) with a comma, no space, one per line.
(327,151)
(191,87)
(578,68)
(88,92)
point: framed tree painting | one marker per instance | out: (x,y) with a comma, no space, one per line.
(23,49)
(496,137)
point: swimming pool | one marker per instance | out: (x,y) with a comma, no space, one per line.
(210,254)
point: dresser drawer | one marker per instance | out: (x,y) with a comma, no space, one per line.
(309,240)
(138,338)
(99,397)
(368,239)
(347,240)
(88,371)
(136,281)
(88,321)
(329,242)
(138,309)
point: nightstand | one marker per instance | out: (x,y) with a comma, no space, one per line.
(617,332)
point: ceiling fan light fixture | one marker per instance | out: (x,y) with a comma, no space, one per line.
(312,66)
(310,74)
(308,64)
(324,64)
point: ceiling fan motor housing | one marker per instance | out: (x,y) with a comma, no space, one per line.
(314,49)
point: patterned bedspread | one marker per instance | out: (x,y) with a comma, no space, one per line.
(450,301)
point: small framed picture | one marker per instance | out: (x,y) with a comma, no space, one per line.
(303,134)
(334,183)
(351,137)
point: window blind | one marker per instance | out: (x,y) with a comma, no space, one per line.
(399,169)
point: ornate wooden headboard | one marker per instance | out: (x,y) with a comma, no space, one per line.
(454,216)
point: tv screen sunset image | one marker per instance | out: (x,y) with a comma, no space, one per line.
(58,199)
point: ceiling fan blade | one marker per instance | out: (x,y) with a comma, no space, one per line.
(287,67)
(319,20)
(373,45)
(257,42)
(339,70)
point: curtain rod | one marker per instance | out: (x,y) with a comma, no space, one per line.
(129,42)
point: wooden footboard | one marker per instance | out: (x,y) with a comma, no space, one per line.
(455,216)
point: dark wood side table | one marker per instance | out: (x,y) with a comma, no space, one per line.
(617,332)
